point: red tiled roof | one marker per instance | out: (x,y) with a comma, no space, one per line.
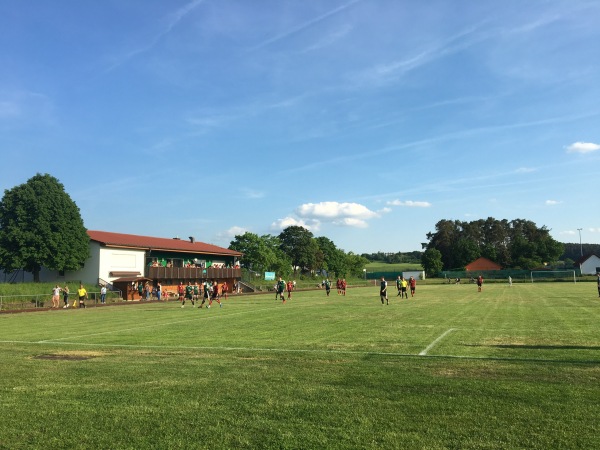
(482,264)
(155,243)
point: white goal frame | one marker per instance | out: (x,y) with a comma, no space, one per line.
(556,271)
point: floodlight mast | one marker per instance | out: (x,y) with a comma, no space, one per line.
(580,245)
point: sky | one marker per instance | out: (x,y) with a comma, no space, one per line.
(363,121)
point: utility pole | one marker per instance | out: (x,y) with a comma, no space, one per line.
(580,245)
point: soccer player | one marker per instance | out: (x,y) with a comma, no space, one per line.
(383,291)
(598,275)
(403,286)
(224,289)
(189,294)
(479,283)
(56,296)
(215,294)
(327,286)
(196,291)
(181,292)
(82,294)
(398,285)
(289,287)
(343,285)
(280,286)
(205,293)
(413,285)
(66,296)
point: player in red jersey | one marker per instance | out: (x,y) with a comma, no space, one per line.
(413,286)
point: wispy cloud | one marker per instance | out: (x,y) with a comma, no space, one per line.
(251,193)
(329,39)
(582,147)
(171,21)
(409,203)
(390,71)
(525,170)
(553,202)
(305,25)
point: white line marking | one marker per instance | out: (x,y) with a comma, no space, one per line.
(153,325)
(430,346)
(306,351)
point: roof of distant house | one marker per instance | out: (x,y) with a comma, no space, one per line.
(156,243)
(584,258)
(482,264)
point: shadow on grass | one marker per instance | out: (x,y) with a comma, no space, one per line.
(538,347)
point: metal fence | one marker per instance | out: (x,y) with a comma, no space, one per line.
(25,301)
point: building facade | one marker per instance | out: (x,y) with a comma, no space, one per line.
(118,259)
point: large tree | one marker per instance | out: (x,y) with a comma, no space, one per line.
(40,226)
(516,244)
(432,261)
(261,253)
(334,258)
(298,244)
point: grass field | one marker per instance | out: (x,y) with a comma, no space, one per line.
(510,367)
(400,267)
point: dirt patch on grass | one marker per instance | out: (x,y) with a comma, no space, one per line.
(69,356)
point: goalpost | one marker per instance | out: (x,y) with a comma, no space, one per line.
(545,275)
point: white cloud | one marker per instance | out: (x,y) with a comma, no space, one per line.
(525,170)
(594,230)
(281,224)
(332,211)
(568,232)
(552,202)
(582,147)
(351,222)
(252,194)
(409,203)
(233,232)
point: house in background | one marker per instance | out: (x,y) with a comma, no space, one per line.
(123,260)
(589,264)
(482,264)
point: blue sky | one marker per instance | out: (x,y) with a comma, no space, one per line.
(364,121)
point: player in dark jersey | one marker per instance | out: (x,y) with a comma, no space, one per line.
(383,291)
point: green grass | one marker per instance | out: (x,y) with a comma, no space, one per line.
(453,368)
(400,267)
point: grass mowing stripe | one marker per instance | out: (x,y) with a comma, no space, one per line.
(153,325)
(312,351)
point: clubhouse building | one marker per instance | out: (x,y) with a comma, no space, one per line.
(121,261)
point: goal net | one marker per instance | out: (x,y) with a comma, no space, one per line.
(553,275)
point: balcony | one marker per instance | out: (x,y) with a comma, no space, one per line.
(192,273)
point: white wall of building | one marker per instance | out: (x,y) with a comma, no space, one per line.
(120,260)
(589,265)
(99,265)
(417,274)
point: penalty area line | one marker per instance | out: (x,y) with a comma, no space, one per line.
(435,342)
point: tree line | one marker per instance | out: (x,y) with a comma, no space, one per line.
(518,244)
(295,250)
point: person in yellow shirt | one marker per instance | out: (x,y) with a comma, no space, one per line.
(403,286)
(82,294)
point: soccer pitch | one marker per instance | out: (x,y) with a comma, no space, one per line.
(509,367)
